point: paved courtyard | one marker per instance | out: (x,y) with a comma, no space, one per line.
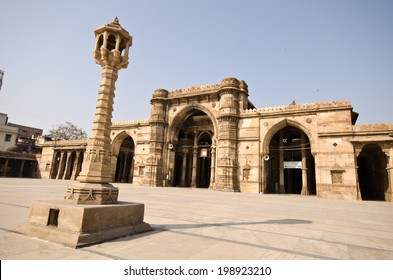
(200,224)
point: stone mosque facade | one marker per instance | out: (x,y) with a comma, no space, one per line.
(214,137)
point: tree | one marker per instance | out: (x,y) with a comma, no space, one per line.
(67,131)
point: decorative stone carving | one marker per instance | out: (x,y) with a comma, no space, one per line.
(369,127)
(337,177)
(337,174)
(194,89)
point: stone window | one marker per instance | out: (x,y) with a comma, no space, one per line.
(53,217)
(246,172)
(7,138)
(47,166)
(141,170)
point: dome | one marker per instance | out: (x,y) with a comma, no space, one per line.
(229,82)
(160,93)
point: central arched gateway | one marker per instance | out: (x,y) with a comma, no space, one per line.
(192,147)
(290,166)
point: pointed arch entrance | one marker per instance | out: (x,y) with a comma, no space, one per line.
(290,167)
(372,174)
(193,151)
(125,161)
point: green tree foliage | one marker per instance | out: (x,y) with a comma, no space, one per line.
(67,131)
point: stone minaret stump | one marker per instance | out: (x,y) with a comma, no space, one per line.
(111,52)
(90,212)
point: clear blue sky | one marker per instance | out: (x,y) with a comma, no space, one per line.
(307,51)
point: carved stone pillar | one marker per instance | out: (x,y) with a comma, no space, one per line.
(132,165)
(22,166)
(184,168)
(53,166)
(124,169)
(213,167)
(63,159)
(305,190)
(76,167)
(96,166)
(4,172)
(389,169)
(67,169)
(281,187)
(111,52)
(194,160)
(91,222)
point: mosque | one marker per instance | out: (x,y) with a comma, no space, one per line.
(212,136)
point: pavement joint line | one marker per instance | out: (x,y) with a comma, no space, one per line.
(228,225)
(252,245)
(94,252)
(16,205)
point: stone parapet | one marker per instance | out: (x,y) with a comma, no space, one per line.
(300,107)
(71,143)
(194,89)
(373,127)
(131,123)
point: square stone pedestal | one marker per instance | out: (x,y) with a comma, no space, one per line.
(81,225)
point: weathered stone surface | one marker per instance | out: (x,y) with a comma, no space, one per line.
(82,225)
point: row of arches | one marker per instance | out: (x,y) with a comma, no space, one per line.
(66,164)
(16,167)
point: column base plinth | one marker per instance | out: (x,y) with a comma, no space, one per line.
(91,193)
(82,225)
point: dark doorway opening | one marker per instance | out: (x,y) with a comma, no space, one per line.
(290,162)
(192,161)
(372,173)
(125,162)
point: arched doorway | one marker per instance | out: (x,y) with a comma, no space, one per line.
(372,173)
(290,167)
(125,161)
(204,159)
(192,160)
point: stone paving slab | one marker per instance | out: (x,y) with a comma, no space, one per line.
(201,224)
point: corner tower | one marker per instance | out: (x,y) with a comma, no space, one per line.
(158,123)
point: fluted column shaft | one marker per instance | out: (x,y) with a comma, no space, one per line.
(97,162)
